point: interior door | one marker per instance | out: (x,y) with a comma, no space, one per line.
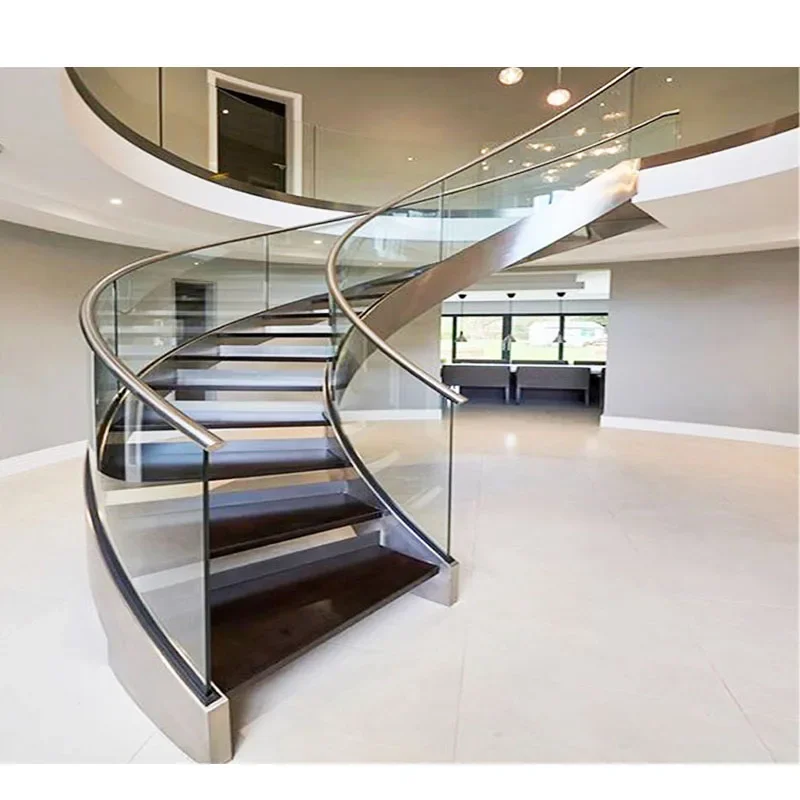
(193,310)
(251,139)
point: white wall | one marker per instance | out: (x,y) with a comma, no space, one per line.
(710,340)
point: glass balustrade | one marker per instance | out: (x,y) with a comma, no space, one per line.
(397,423)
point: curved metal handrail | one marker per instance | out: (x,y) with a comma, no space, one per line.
(169,412)
(204,437)
(331,277)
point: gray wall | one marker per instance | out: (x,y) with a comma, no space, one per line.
(706,340)
(43,361)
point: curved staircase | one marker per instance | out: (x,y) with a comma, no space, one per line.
(269,465)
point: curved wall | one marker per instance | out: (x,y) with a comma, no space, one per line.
(709,341)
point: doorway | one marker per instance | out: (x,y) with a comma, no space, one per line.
(251,139)
(194,308)
(255,133)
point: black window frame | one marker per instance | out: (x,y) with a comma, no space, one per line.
(506,330)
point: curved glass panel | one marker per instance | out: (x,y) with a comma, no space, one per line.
(155,487)
(395,423)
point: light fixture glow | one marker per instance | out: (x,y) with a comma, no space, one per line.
(225,111)
(548,148)
(115,201)
(508,76)
(317,241)
(551,178)
(410,158)
(484,150)
(669,79)
(580,132)
(559,96)
(510,160)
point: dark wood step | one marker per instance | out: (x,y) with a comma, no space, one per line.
(244,352)
(283,415)
(238,381)
(243,526)
(182,461)
(278,621)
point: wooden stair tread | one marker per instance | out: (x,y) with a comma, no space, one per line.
(243,526)
(272,624)
(182,461)
(212,414)
(238,380)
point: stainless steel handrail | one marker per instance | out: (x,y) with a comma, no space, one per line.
(201,435)
(331,277)
(185,424)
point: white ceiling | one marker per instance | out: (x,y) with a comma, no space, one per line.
(49,178)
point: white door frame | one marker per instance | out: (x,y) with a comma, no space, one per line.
(294,122)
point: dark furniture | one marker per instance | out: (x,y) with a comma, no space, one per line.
(553,378)
(492,376)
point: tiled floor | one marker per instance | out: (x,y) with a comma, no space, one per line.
(626,597)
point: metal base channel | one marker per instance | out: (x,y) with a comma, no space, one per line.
(203,732)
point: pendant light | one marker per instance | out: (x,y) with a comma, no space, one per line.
(560,335)
(559,96)
(509,340)
(461,338)
(508,76)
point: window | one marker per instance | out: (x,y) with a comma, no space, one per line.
(483,338)
(585,337)
(535,338)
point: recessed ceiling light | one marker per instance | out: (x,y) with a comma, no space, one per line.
(115,201)
(410,158)
(508,76)
(580,131)
(317,241)
(225,111)
(669,79)
(196,263)
(510,160)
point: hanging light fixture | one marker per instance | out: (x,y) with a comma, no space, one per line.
(508,76)
(560,335)
(559,96)
(509,340)
(461,338)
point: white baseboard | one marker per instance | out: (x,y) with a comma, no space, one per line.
(41,458)
(755,435)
